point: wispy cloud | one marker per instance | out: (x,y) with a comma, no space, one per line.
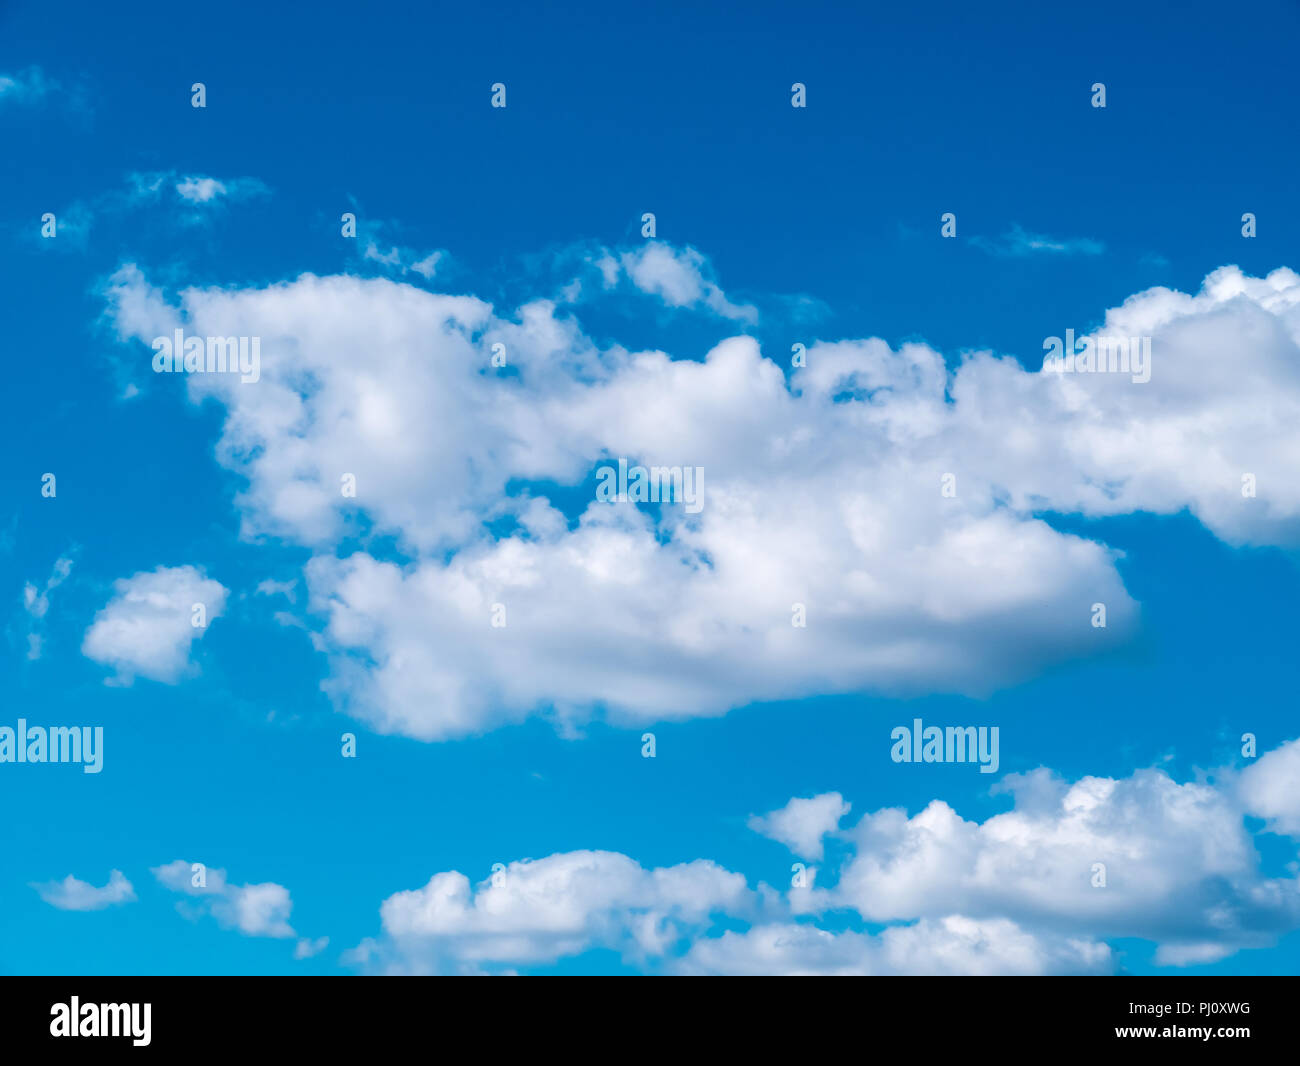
(27,86)
(1018,241)
(404,260)
(194,196)
(307,948)
(193,188)
(678,277)
(382,246)
(36,602)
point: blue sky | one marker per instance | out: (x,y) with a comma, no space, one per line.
(775,225)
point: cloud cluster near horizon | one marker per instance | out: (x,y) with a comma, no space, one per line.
(1016,894)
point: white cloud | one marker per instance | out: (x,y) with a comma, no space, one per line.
(1270,788)
(254,910)
(200,190)
(951,946)
(194,879)
(271,587)
(36,602)
(822,491)
(662,919)
(802,823)
(1018,242)
(307,948)
(1179,866)
(609,269)
(139,309)
(382,245)
(404,260)
(1016,894)
(148,629)
(678,277)
(194,189)
(70,894)
(541,911)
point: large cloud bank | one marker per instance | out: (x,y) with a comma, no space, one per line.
(823,488)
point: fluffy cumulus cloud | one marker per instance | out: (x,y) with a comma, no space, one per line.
(951,947)
(537,912)
(1040,889)
(254,910)
(1143,856)
(150,625)
(72,894)
(1270,788)
(822,489)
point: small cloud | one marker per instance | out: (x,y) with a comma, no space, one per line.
(608,267)
(149,626)
(399,258)
(253,910)
(802,823)
(194,879)
(256,910)
(681,278)
(1018,242)
(145,186)
(71,894)
(427,265)
(26,86)
(270,587)
(194,189)
(200,190)
(36,602)
(306,948)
